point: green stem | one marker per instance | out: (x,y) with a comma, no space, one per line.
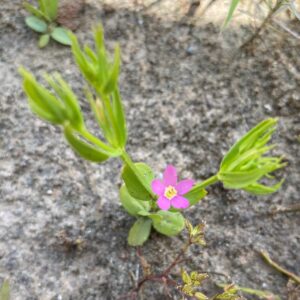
(211,180)
(111,116)
(126,158)
(94,140)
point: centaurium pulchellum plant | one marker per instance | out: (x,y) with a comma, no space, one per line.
(153,202)
(43,20)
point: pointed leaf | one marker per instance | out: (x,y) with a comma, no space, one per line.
(186,277)
(237,180)
(85,150)
(34,11)
(61,35)
(67,96)
(247,141)
(51,8)
(260,189)
(120,118)
(139,232)
(85,67)
(200,296)
(36,24)
(134,186)
(133,206)
(170,223)
(112,80)
(232,8)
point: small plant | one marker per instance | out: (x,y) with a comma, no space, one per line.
(189,284)
(43,21)
(153,202)
(273,7)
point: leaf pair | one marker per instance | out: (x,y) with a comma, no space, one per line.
(245,164)
(165,222)
(42,21)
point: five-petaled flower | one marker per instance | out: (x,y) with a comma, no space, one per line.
(170,191)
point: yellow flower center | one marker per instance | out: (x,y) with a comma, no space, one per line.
(170,192)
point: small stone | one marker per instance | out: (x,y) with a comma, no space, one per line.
(49,192)
(268,107)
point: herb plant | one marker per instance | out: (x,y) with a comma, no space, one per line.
(153,202)
(43,21)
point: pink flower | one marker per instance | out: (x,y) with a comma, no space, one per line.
(170,192)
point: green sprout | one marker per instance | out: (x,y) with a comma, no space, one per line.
(43,21)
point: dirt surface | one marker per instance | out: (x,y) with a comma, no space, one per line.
(188,95)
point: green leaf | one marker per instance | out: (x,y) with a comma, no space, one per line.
(87,151)
(61,35)
(120,118)
(260,189)
(186,277)
(200,296)
(195,195)
(133,206)
(5,291)
(36,24)
(51,8)
(44,40)
(66,95)
(232,8)
(169,223)
(42,6)
(238,180)
(139,232)
(34,11)
(260,131)
(134,186)
(99,40)
(41,101)
(88,70)
(112,80)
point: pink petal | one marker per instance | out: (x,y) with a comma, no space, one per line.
(158,187)
(180,202)
(163,203)
(184,186)
(170,176)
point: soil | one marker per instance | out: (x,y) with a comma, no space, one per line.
(189,94)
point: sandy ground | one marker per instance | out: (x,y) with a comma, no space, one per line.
(189,94)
